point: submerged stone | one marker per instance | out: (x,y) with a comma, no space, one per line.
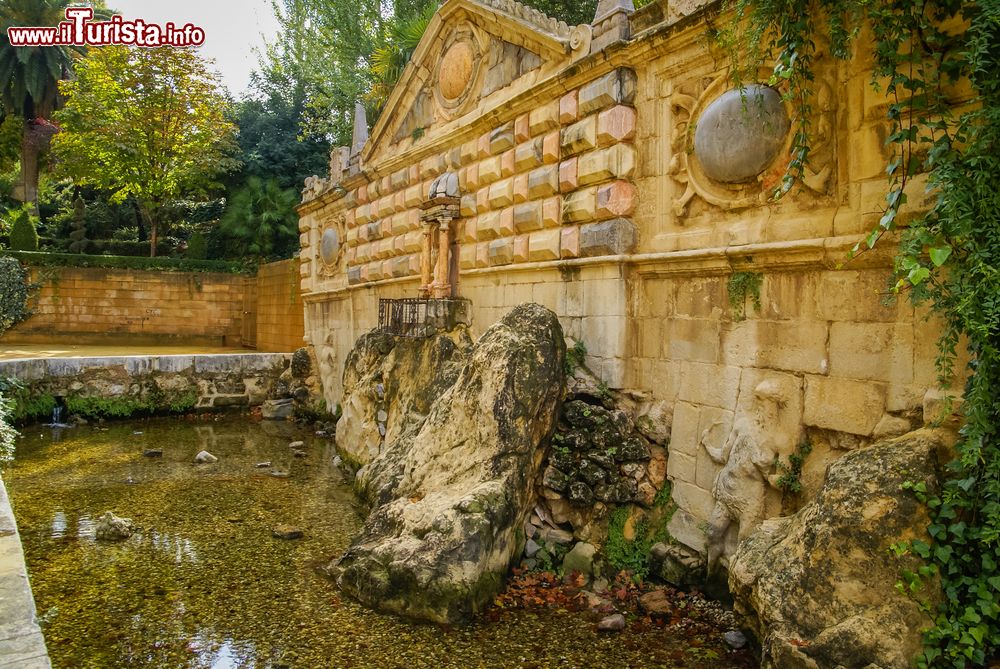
(287,532)
(612,623)
(204,457)
(423,552)
(112,528)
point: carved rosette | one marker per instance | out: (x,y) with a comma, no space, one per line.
(459,73)
(689,102)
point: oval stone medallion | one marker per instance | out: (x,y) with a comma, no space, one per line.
(329,247)
(456,70)
(738,135)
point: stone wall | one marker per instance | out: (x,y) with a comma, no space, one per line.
(581,188)
(279,307)
(100,306)
(155,383)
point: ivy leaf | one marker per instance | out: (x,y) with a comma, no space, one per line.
(918,275)
(940,255)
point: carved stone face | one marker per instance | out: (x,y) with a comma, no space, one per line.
(456,70)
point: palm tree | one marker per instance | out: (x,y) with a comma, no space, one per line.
(261,218)
(29,81)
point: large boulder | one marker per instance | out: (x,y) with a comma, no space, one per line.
(450,497)
(818,588)
(390,384)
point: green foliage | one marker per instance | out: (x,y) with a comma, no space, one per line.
(314,412)
(576,356)
(129,262)
(949,257)
(262,219)
(790,478)
(402,36)
(741,286)
(573,13)
(121,98)
(550,556)
(108,407)
(197,247)
(79,234)
(23,234)
(184,402)
(7,433)
(623,554)
(14,293)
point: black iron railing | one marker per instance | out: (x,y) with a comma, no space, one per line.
(418,317)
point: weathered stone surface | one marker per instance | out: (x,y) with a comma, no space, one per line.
(580,559)
(451,494)
(677,564)
(818,588)
(740,133)
(277,409)
(617,87)
(287,532)
(607,238)
(613,623)
(399,376)
(205,458)
(112,528)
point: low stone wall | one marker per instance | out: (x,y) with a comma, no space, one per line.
(21,642)
(151,383)
(279,307)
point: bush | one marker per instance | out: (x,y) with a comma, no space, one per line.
(128,262)
(197,247)
(13,293)
(23,235)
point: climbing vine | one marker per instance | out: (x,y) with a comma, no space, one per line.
(937,62)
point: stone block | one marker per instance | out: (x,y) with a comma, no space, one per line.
(363,214)
(470,151)
(692,339)
(507,222)
(568,175)
(795,346)
(467,256)
(528,216)
(612,237)
(483,200)
(528,155)
(874,351)
(688,531)
(521,248)
(502,138)
(552,211)
(618,198)
(616,162)
(580,206)
(470,180)
(399,223)
(681,467)
(543,181)
(484,145)
(520,188)
(501,252)
(696,501)
(414,195)
(385,206)
(522,128)
(844,405)
(399,201)
(579,137)
(708,384)
(614,88)
(544,118)
(489,170)
(616,125)
(550,147)
(507,163)
(502,193)
(568,108)
(544,245)
(468,205)
(413,241)
(488,226)
(569,246)
(483,254)
(469,230)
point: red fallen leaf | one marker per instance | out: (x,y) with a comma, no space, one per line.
(798,642)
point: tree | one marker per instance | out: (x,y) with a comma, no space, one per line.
(145,123)
(261,218)
(29,77)
(23,232)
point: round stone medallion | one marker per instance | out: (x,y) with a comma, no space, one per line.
(329,247)
(740,133)
(456,70)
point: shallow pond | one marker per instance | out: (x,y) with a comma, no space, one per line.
(204,583)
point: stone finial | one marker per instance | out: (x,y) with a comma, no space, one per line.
(605,8)
(360,129)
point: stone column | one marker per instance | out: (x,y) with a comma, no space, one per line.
(425,260)
(442,284)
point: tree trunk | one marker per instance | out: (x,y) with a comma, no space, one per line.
(27,189)
(153,237)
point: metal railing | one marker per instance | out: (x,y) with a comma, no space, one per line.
(416,316)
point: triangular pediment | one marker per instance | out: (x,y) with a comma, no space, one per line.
(473,55)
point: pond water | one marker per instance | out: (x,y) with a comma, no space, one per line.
(204,583)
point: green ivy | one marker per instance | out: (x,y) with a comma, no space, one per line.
(742,285)
(14,293)
(948,257)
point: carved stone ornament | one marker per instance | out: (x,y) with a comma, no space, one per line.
(459,73)
(737,159)
(331,247)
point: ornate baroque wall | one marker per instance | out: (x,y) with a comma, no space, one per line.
(605,172)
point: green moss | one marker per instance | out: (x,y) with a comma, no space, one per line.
(108,407)
(30,409)
(632,555)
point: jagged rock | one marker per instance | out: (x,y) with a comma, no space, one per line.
(580,559)
(818,588)
(531,548)
(656,603)
(613,623)
(555,479)
(396,377)
(301,364)
(564,461)
(591,473)
(451,494)
(112,528)
(297,444)
(580,494)
(277,409)
(677,564)
(554,535)
(633,449)
(735,639)
(204,457)
(654,421)
(623,490)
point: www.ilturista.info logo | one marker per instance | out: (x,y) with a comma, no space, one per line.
(79,30)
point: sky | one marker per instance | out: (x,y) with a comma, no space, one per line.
(233,29)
